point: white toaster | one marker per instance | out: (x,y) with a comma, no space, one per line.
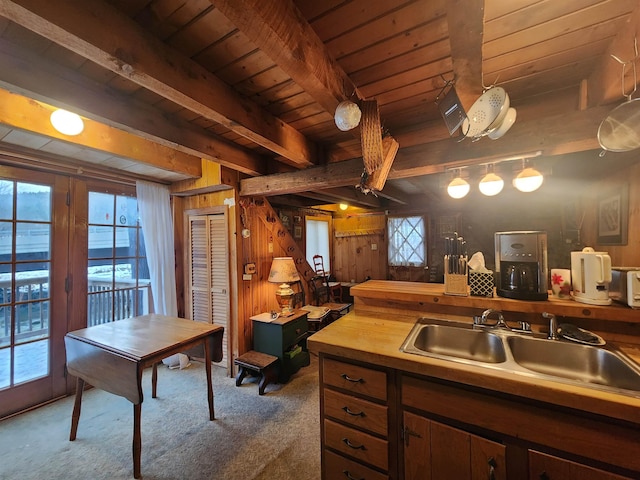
(625,285)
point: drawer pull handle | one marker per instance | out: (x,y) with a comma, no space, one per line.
(352,413)
(351,477)
(353,445)
(349,379)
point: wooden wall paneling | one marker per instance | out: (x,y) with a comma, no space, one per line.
(353,239)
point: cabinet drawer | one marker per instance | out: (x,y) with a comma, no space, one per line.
(542,465)
(356,411)
(354,378)
(293,329)
(337,467)
(354,443)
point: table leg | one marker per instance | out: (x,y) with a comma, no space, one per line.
(154,380)
(137,439)
(207,363)
(75,417)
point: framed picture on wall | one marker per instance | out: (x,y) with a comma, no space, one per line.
(613,217)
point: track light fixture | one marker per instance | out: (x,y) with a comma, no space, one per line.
(529,179)
(491,184)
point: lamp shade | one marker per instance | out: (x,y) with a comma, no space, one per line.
(283,270)
(458,188)
(347,115)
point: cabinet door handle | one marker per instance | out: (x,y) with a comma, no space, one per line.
(352,413)
(351,477)
(349,379)
(353,445)
(492,468)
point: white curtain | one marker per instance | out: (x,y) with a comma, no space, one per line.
(155,216)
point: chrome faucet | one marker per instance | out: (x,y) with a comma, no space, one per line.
(553,326)
(500,323)
(523,327)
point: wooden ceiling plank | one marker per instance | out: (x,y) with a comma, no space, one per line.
(130,52)
(466,30)
(38,78)
(278,28)
(604,84)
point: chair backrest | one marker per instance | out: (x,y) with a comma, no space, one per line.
(298,299)
(319,289)
(318,265)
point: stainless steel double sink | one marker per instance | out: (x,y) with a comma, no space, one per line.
(599,367)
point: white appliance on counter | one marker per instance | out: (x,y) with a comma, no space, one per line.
(625,285)
(591,276)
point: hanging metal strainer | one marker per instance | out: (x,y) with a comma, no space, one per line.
(620,130)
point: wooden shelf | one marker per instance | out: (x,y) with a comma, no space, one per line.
(433,293)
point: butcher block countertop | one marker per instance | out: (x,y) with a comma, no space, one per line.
(376,339)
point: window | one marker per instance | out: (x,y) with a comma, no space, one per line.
(118,275)
(317,229)
(407,241)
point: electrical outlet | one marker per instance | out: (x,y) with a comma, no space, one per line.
(270,247)
(374,246)
(246,276)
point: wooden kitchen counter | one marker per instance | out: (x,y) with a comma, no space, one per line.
(377,341)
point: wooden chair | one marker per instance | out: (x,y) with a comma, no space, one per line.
(335,288)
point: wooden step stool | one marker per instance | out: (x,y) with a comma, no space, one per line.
(261,363)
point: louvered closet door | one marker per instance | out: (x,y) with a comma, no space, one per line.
(209,276)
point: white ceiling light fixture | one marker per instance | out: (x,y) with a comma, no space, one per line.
(458,187)
(491,184)
(66,122)
(347,116)
(529,179)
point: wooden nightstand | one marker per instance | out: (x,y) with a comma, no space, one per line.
(285,338)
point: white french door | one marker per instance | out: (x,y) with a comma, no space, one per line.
(34,256)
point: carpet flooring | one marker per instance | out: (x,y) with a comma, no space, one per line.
(273,436)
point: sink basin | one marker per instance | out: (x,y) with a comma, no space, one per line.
(583,363)
(598,367)
(457,342)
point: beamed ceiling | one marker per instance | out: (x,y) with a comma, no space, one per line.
(253,85)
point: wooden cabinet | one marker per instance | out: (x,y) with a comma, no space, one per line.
(432,450)
(285,338)
(549,467)
(355,422)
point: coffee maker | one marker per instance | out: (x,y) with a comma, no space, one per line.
(521,265)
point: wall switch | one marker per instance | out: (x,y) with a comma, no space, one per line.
(246,276)
(374,246)
(270,247)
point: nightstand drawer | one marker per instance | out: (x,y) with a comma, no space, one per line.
(337,467)
(360,380)
(356,444)
(292,330)
(356,411)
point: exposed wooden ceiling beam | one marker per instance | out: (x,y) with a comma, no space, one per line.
(127,50)
(604,85)
(555,135)
(38,78)
(466,30)
(279,30)
(24,113)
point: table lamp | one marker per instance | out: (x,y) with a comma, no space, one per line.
(284,272)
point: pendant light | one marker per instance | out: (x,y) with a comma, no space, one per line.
(491,184)
(529,179)
(458,187)
(67,123)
